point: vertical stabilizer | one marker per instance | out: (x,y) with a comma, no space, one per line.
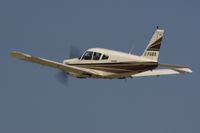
(153,48)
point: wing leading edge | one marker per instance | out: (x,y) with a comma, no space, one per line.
(53,64)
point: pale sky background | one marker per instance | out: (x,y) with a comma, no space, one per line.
(33,101)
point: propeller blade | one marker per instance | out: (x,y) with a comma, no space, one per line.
(74,52)
(62,77)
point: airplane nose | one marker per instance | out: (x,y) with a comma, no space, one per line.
(70,61)
(65,62)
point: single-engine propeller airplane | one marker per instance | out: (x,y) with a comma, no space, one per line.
(110,64)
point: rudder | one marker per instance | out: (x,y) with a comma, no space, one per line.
(153,48)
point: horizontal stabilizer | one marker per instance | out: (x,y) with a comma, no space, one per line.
(172,66)
(160,72)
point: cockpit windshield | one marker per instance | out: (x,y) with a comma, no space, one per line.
(87,55)
(90,55)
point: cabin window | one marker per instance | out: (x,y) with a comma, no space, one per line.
(105,57)
(96,56)
(87,55)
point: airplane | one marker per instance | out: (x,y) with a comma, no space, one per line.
(111,64)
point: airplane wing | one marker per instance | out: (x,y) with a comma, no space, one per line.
(53,64)
(174,69)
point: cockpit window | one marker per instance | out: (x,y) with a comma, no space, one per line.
(105,57)
(96,56)
(87,55)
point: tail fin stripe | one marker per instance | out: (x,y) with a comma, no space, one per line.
(155,46)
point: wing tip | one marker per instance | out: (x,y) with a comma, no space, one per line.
(184,70)
(19,55)
(189,70)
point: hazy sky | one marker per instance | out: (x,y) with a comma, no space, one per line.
(33,101)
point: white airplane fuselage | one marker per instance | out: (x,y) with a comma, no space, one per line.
(118,65)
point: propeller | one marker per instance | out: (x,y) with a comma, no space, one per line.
(74,52)
(62,76)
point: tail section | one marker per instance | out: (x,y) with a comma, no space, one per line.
(153,48)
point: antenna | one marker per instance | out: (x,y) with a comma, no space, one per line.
(131,50)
